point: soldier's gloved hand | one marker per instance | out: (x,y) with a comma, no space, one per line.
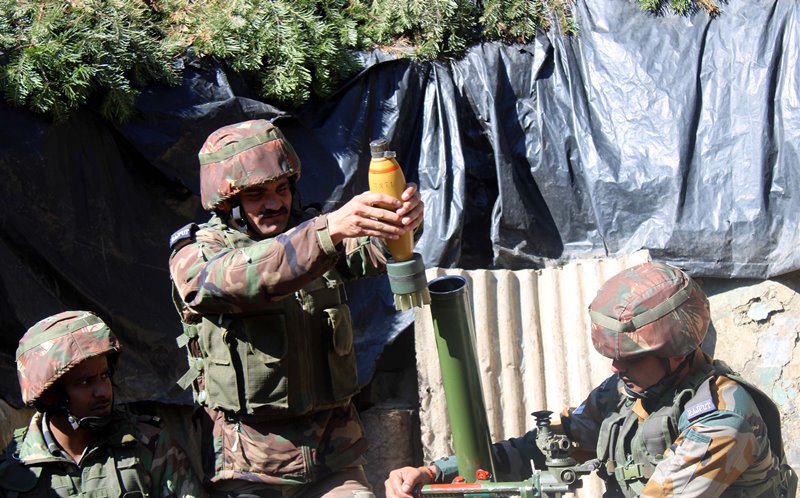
(401,482)
(364,215)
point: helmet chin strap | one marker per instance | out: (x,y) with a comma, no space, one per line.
(91,424)
(238,220)
(657,390)
(296,203)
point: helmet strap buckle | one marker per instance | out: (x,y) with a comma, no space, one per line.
(238,220)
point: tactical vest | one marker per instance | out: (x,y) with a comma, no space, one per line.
(294,357)
(120,474)
(631,449)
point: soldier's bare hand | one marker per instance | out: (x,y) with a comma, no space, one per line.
(401,482)
(369,214)
(412,210)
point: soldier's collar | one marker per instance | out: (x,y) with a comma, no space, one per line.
(639,409)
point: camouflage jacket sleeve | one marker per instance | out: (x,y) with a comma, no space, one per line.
(712,451)
(582,424)
(211,277)
(171,472)
(512,459)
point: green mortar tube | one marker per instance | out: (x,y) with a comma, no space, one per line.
(454,328)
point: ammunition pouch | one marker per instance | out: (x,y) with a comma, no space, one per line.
(295,358)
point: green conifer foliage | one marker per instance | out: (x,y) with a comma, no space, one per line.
(294,48)
(58,55)
(680,7)
(64,54)
(434,28)
(515,20)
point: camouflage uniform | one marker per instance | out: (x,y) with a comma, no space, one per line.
(268,330)
(131,456)
(705,437)
(134,457)
(708,434)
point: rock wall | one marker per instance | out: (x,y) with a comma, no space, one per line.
(756,330)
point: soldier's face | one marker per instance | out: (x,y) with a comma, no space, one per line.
(88,387)
(267,206)
(642,372)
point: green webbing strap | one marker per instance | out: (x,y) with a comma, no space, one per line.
(695,379)
(649,316)
(770,487)
(766,407)
(788,478)
(635,476)
(637,487)
(242,145)
(195,364)
(325,241)
(315,285)
(195,368)
(189,333)
(629,472)
(182,340)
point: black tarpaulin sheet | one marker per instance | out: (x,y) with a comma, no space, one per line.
(678,134)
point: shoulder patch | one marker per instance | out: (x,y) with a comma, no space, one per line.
(701,403)
(185,233)
(701,408)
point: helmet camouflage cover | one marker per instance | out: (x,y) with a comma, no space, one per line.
(242,155)
(651,308)
(57,343)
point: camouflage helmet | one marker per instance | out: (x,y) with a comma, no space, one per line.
(57,343)
(651,308)
(242,155)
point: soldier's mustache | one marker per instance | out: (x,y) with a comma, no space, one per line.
(268,213)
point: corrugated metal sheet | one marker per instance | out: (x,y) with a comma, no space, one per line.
(533,346)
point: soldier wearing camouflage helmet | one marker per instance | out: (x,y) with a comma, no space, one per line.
(266,324)
(78,443)
(670,421)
